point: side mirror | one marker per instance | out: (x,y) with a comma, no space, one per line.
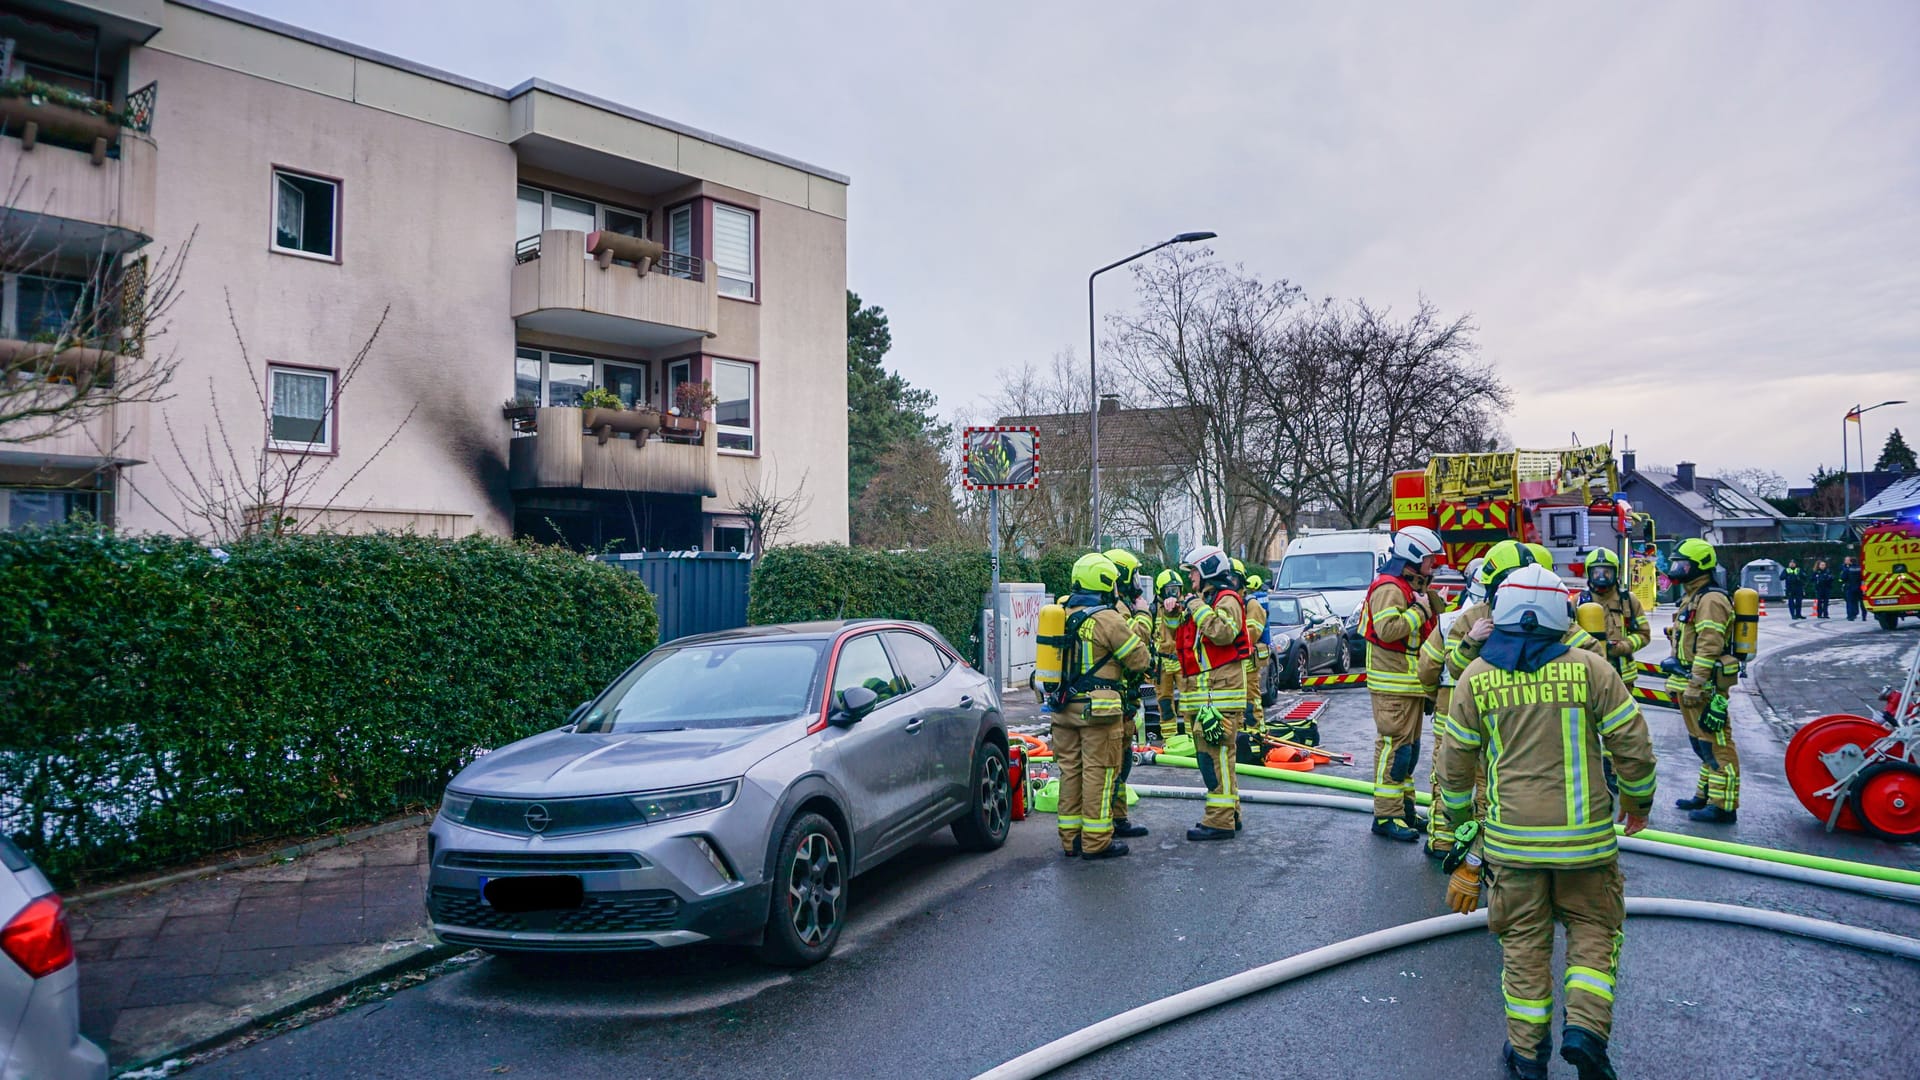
(851,704)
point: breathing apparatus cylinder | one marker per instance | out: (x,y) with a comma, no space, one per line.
(1592,618)
(1049,640)
(1746,624)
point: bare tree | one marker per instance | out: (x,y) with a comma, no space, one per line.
(771,515)
(1765,483)
(91,340)
(232,489)
(909,502)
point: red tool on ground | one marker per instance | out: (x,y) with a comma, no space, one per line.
(1861,773)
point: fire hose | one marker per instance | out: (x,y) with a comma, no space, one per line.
(1887,881)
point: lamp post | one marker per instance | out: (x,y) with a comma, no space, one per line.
(1846,476)
(1093,369)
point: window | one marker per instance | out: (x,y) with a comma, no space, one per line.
(536,209)
(305,214)
(301,403)
(733,250)
(730,538)
(22,508)
(919,660)
(559,379)
(1283,611)
(733,413)
(724,685)
(35,306)
(864,663)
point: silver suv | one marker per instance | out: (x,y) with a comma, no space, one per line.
(727,787)
(39,982)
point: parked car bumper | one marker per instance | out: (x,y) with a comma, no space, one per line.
(48,1042)
(647,887)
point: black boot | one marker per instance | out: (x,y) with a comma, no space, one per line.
(1435,852)
(1112,851)
(1587,1053)
(1392,829)
(1123,827)
(1713,815)
(1075,853)
(1208,832)
(1410,814)
(1523,1067)
(1698,802)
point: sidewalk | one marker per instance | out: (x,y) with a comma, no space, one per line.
(189,963)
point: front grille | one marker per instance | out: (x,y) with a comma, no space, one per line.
(555,817)
(599,913)
(538,862)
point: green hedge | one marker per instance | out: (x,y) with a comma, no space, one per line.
(943,588)
(163,701)
(1736,556)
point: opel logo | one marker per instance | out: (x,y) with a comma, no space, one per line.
(537,818)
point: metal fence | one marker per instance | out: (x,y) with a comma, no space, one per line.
(693,592)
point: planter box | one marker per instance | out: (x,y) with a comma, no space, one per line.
(31,118)
(72,361)
(635,422)
(681,424)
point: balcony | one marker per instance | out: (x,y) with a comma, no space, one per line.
(553,451)
(85,174)
(116,435)
(558,289)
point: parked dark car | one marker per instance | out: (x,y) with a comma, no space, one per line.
(1307,639)
(728,786)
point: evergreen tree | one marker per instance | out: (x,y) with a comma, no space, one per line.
(884,410)
(1896,454)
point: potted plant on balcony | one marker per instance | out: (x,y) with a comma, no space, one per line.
(603,413)
(691,400)
(32,108)
(520,409)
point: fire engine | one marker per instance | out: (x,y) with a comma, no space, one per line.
(1564,499)
(1890,571)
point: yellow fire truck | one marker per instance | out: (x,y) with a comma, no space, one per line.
(1890,571)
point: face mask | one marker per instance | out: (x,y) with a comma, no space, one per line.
(1602,579)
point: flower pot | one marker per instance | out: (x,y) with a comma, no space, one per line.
(32,117)
(686,425)
(69,362)
(523,417)
(605,422)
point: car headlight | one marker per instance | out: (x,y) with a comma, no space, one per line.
(454,806)
(681,802)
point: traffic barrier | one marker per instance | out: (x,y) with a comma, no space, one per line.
(1319,682)
(1646,695)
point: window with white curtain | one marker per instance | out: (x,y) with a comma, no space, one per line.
(733,242)
(733,412)
(305,213)
(301,409)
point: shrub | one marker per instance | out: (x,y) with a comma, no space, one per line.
(163,701)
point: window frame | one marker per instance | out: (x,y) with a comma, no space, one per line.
(600,363)
(839,654)
(330,418)
(899,666)
(600,208)
(720,275)
(339,215)
(10,300)
(753,402)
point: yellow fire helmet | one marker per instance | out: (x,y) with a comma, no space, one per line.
(1165,578)
(1541,556)
(1502,559)
(1255,582)
(1695,552)
(1602,555)
(1095,573)
(1123,560)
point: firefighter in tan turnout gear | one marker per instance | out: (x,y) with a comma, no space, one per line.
(1626,619)
(1537,714)
(1127,603)
(1396,618)
(1438,680)
(1700,672)
(1211,639)
(1087,713)
(1167,685)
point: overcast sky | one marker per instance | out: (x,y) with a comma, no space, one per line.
(1694,224)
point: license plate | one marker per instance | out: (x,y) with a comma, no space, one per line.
(538,892)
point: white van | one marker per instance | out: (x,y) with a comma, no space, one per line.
(1340,566)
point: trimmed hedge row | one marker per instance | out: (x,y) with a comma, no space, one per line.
(943,587)
(163,701)
(1736,556)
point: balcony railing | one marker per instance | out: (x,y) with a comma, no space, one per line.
(670,263)
(554,450)
(34,111)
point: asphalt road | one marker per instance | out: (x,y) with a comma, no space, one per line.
(953,963)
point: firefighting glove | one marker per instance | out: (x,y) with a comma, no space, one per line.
(1463,886)
(1714,720)
(1213,726)
(1693,696)
(1463,838)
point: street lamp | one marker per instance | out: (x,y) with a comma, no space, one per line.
(1846,476)
(1093,370)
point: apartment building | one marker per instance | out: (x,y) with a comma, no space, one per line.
(524,246)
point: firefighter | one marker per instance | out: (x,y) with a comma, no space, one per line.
(1087,717)
(1438,682)
(1212,642)
(1396,618)
(1256,664)
(1127,603)
(1475,622)
(1626,620)
(1700,672)
(1535,714)
(1168,683)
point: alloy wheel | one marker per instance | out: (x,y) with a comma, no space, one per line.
(814,888)
(996,796)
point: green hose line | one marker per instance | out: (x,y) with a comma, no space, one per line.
(1340,783)
(1724,847)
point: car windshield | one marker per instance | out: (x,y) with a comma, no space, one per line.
(719,685)
(1326,570)
(1283,611)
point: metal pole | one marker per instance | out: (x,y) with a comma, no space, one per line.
(1093,418)
(1846,482)
(993,597)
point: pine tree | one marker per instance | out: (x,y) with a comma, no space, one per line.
(1896,455)
(884,410)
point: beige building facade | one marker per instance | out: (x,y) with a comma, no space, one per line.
(515,248)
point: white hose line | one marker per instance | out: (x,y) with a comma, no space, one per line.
(1892,890)
(1096,1037)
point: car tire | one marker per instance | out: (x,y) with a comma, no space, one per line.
(1296,669)
(1887,620)
(990,813)
(809,902)
(1344,662)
